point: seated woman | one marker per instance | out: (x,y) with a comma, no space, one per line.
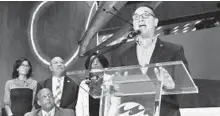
(20,90)
(86,105)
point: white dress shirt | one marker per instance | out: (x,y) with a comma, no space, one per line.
(50,113)
(82,106)
(145,48)
(54,85)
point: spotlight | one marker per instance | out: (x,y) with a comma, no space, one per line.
(194,29)
(158,34)
(175,30)
(185,28)
(217,23)
(184,31)
(158,28)
(197,22)
(200,24)
(176,27)
(186,25)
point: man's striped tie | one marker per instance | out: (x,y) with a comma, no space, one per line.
(58,92)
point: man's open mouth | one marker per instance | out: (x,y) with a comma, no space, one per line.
(143,25)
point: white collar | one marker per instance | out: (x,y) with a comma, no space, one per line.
(146,42)
(62,78)
(51,112)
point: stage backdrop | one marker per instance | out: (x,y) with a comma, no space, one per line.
(57,28)
(62,23)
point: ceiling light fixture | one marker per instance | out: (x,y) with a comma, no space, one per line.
(176,27)
(175,30)
(158,28)
(197,22)
(194,29)
(186,25)
(184,31)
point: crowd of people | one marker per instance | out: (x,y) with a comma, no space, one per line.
(59,95)
(55,96)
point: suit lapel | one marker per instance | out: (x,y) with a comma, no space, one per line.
(158,51)
(65,91)
(57,112)
(132,56)
(48,84)
(156,55)
(39,113)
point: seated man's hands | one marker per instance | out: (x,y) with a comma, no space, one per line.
(163,75)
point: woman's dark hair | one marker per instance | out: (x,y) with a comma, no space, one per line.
(102,59)
(17,64)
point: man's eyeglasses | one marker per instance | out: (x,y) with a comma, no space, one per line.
(23,65)
(46,96)
(143,16)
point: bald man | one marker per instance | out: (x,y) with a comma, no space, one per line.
(48,108)
(64,89)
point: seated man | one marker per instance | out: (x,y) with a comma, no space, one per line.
(48,107)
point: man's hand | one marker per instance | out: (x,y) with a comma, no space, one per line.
(164,76)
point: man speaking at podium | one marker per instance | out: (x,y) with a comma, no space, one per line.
(150,49)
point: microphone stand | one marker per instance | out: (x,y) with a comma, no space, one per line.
(103,48)
(98,80)
(127,27)
(103,51)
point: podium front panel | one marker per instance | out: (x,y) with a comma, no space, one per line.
(136,76)
(147,104)
(135,90)
(134,80)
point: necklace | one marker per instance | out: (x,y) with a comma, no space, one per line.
(21,83)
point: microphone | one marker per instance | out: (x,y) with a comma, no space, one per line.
(132,34)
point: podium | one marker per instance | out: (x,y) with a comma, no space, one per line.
(134,90)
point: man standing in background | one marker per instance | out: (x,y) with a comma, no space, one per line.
(64,89)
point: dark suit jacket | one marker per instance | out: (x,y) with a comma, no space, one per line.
(58,112)
(69,95)
(163,52)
